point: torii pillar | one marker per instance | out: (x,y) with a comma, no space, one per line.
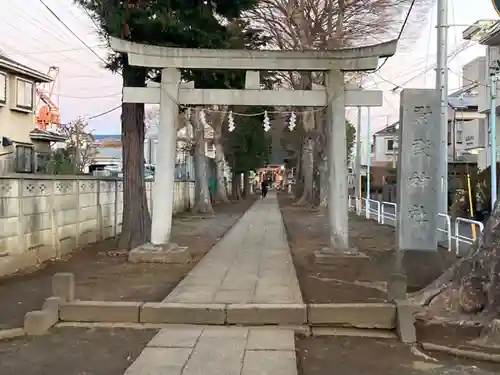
(338,204)
(165,165)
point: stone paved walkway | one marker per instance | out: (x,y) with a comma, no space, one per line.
(196,350)
(251,264)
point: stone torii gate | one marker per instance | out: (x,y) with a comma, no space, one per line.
(171,93)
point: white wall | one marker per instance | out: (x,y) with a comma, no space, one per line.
(484,155)
(473,134)
(44,216)
(381,153)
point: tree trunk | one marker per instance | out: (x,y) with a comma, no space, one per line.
(321,159)
(202,203)
(136,223)
(235,186)
(299,174)
(308,170)
(472,284)
(323,183)
(221,195)
(246,184)
(307,157)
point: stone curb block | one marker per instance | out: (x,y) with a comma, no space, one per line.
(39,322)
(100,311)
(51,306)
(404,322)
(169,255)
(359,315)
(63,286)
(166,312)
(6,334)
(266,314)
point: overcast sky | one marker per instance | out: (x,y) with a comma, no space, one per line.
(31,35)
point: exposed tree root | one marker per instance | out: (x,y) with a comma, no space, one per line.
(416,351)
(462,352)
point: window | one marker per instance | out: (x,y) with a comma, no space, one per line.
(389,143)
(24,94)
(3,88)
(460,136)
(24,159)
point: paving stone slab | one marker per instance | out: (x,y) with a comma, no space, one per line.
(218,350)
(253,260)
(185,337)
(271,339)
(160,361)
(266,362)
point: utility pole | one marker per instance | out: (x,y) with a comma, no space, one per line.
(442,86)
(493,70)
(357,162)
(368,162)
(77,147)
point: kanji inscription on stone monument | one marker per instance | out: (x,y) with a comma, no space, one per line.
(417,170)
(419,179)
(417,214)
(421,146)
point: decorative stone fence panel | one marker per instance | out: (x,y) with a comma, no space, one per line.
(44,216)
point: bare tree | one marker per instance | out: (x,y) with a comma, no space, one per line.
(323,24)
(80,143)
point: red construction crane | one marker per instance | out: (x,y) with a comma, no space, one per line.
(48,112)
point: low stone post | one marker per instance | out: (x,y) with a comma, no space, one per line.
(63,286)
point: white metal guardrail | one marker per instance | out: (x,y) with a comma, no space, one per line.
(386,213)
(462,238)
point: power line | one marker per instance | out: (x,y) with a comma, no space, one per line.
(44,43)
(87,97)
(105,112)
(468,80)
(407,17)
(72,32)
(461,48)
(60,51)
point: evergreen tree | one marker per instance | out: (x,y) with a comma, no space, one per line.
(180,23)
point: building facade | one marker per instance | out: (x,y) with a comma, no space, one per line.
(23,147)
(487,33)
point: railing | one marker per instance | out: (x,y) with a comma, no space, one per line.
(461,238)
(388,215)
(386,212)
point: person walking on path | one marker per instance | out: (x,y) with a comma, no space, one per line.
(263,188)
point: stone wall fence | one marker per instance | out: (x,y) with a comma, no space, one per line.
(47,216)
